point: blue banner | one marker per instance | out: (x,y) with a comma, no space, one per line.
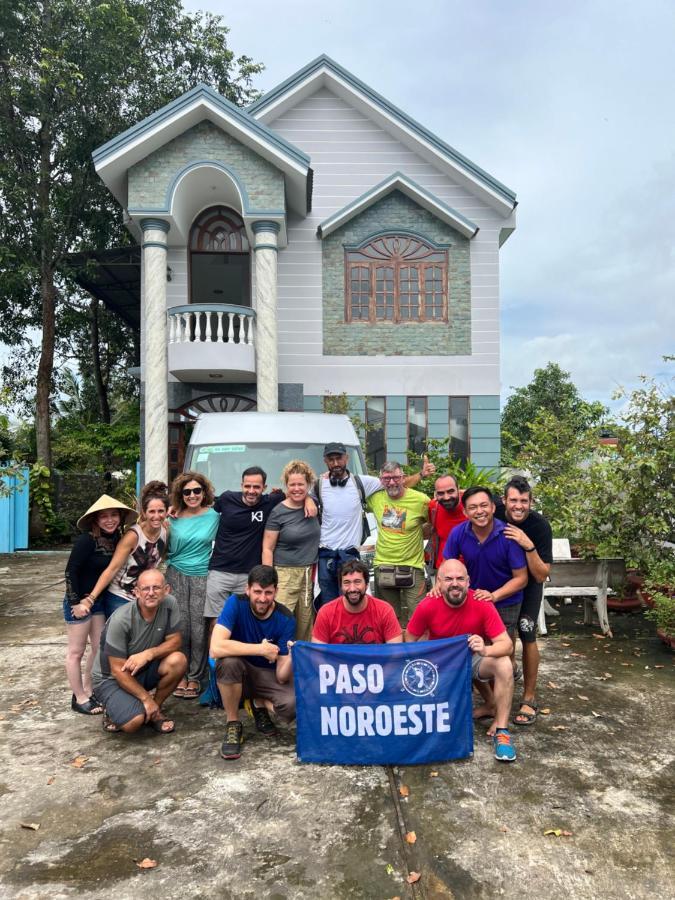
(383,704)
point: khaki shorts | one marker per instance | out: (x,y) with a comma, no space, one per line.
(219,586)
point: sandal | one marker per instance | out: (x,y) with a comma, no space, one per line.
(90,707)
(180,689)
(158,725)
(191,693)
(109,725)
(526,718)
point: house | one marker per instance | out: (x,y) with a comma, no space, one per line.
(318,242)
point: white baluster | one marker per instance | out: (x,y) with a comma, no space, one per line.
(249,334)
(230,329)
(219,331)
(208,327)
(185,337)
(172,328)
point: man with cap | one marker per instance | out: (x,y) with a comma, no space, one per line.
(342,497)
(139,662)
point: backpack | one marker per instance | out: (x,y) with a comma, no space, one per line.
(365,527)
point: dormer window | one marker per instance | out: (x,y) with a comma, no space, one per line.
(396,278)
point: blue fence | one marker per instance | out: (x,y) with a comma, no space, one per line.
(14,512)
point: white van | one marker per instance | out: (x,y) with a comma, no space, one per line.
(222,445)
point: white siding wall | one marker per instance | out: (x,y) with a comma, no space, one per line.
(350,154)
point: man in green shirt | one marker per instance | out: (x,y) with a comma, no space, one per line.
(401,514)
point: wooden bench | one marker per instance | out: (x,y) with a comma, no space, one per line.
(587,578)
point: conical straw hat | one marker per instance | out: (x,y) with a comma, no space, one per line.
(105,501)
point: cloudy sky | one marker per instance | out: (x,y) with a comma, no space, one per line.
(570,105)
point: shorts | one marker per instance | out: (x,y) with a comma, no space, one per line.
(476,660)
(258,682)
(104,605)
(529,614)
(120,706)
(219,586)
(509,616)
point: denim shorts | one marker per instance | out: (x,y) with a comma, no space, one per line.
(105,605)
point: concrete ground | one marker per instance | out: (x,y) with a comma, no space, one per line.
(599,766)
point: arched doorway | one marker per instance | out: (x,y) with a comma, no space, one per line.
(184,416)
(219,258)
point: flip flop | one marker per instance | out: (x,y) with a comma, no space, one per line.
(529,718)
(180,691)
(156,725)
(109,725)
(191,693)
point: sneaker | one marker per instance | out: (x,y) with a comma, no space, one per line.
(231,746)
(263,722)
(504,749)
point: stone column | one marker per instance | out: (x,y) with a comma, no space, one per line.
(154,367)
(266,350)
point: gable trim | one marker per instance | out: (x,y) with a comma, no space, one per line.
(397,181)
(325,70)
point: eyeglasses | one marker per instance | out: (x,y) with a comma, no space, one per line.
(391,478)
(196,491)
(152,589)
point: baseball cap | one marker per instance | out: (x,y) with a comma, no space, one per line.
(334,448)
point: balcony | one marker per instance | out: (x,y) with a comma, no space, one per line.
(211,342)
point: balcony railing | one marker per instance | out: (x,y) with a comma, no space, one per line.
(211,323)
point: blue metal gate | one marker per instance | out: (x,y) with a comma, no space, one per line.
(14,512)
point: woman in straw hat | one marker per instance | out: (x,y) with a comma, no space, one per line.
(91,554)
(141,548)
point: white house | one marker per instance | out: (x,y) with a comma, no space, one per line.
(318,242)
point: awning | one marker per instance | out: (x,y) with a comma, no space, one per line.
(113,276)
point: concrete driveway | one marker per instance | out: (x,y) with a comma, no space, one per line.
(599,766)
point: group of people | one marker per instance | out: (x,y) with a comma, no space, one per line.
(249,573)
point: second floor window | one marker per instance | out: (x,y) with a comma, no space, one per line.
(396,278)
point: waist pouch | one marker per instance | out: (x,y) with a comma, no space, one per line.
(396,576)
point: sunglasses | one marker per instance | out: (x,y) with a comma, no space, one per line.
(196,491)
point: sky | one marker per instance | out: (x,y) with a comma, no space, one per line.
(568,104)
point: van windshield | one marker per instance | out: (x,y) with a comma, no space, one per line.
(223,463)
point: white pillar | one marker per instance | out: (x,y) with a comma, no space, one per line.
(266,351)
(154,362)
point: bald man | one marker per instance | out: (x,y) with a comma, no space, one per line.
(455,611)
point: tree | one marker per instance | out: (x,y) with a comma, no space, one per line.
(551,390)
(74,73)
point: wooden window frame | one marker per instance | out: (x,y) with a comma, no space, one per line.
(418,248)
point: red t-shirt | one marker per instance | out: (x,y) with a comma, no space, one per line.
(434,615)
(377,624)
(444,522)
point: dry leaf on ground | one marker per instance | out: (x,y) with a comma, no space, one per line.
(50,780)
(582,697)
(546,711)
(503,828)
(413,877)
(146,863)
(32,826)
(600,637)
(79,761)
(560,727)
(404,790)
(558,832)
(597,715)
(410,837)
(433,774)
(552,685)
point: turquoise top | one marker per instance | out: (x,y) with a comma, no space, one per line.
(190,542)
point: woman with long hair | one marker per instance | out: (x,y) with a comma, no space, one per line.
(141,548)
(92,552)
(291,545)
(194,523)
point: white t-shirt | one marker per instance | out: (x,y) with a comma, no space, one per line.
(341,518)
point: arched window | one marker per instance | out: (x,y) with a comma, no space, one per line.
(219,258)
(396,278)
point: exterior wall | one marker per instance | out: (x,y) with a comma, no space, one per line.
(484,424)
(351,154)
(151,179)
(341,338)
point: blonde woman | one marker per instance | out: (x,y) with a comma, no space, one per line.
(291,545)
(194,523)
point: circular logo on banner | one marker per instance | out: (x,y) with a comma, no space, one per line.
(419,677)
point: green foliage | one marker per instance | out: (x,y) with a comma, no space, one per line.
(98,446)
(42,502)
(465,473)
(339,404)
(550,391)
(660,585)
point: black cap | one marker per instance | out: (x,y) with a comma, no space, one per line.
(331,449)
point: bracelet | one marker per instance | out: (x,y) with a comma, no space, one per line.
(531,549)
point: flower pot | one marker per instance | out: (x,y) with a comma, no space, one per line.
(668,639)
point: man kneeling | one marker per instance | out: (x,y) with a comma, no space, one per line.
(251,641)
(140,654)
(456,612)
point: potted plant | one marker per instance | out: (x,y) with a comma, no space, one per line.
(659,587)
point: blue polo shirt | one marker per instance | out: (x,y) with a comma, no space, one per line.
(243,626)
(490,564)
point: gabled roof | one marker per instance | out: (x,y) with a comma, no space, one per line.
(398,182)
(113,159)
(325,72)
